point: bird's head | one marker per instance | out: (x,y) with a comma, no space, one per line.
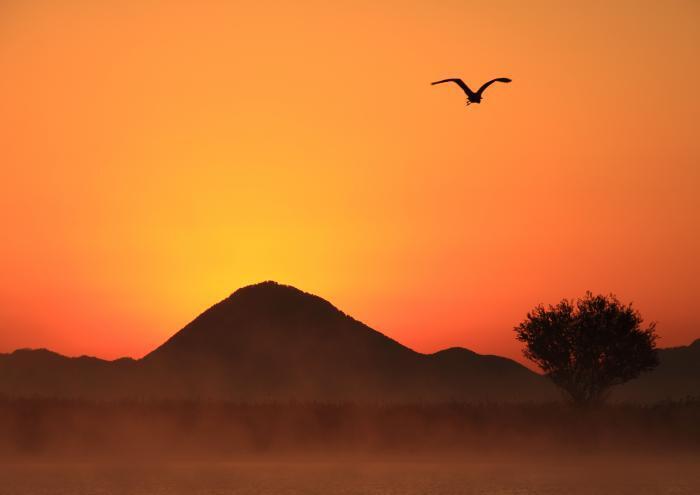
(474,99)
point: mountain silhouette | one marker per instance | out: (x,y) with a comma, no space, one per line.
(272,342)
(43,373)
(676,378)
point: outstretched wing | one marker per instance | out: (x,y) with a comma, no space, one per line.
(486,85)
(459,82)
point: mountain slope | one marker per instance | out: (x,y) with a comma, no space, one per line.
(271,341)
(677,377)
(42,373)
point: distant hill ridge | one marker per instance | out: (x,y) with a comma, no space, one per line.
(273,342)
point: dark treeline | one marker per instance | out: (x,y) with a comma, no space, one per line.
(72,428)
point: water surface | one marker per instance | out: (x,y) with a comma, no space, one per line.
(350,478)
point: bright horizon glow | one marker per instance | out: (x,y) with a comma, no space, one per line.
(155,157)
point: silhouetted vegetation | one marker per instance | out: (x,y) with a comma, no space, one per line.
(588,346)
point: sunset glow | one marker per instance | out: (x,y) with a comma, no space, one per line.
(156,156)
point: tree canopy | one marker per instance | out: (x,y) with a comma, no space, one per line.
(588,346)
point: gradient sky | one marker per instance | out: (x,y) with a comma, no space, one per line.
(155,156)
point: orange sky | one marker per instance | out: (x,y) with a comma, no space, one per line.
(155,156)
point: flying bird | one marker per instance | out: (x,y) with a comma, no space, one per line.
(473,96)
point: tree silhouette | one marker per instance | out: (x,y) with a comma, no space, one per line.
(586,347)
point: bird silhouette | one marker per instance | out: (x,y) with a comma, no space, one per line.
(473,96)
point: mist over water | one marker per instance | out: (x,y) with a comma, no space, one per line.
(172,448)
